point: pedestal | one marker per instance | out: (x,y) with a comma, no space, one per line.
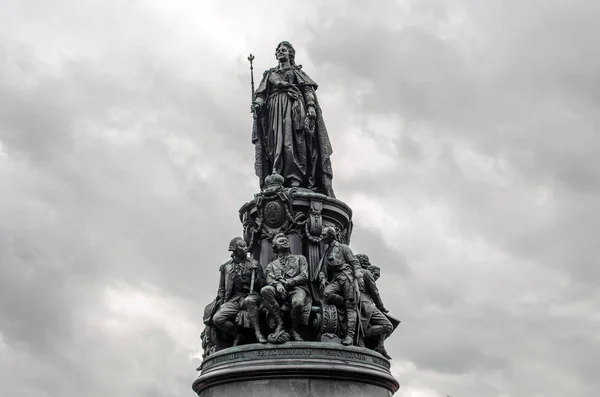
(295,369)
(301,215)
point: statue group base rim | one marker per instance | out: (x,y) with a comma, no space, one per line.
(293,360)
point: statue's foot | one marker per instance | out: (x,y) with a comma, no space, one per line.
(381,350)
(296,336)
(261,338)
(348,341)
(361,342)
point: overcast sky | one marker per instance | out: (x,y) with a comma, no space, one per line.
(465,139)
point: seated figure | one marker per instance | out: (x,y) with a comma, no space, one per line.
(286,285)
(237,305)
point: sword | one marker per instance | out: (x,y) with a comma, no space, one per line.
(252,280)
(358,319)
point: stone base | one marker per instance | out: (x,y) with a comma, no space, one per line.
(295,369)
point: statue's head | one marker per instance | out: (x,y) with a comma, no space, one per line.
(281,243)
(375,271)
(364,260)
(238,247)
(285,52)
(329,234)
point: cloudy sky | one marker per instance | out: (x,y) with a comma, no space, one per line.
(466,141)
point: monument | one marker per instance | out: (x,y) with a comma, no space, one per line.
(297,313)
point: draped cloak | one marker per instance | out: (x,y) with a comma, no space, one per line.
(284,141)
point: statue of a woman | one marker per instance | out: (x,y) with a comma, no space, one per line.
(289,133)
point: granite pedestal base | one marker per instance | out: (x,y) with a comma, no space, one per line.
(295,369)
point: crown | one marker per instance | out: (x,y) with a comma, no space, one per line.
(274,181)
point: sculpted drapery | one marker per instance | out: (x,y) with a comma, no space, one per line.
(289,133)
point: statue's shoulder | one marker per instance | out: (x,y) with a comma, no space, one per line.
(266,72)
(300,258)
(253,262)
(224,265)
(366,274)
(273,263)
(345,247)
(303,78)
(338,245)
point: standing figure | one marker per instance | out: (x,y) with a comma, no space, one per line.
(339,268)
(287,285)
(289,133)
(236,295)
(372,312)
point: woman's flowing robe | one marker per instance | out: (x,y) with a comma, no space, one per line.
(286,141)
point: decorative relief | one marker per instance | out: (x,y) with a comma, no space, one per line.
(274,214)
(295,352)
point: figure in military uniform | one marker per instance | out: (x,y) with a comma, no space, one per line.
(338,270)
(237,306)
(372,312)
(287,284)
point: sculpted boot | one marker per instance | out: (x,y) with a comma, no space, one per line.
(254,320)
(350,327)
(294,331)
(381,348)
(295,335)
(279,319)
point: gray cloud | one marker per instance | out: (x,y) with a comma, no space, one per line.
(464,139)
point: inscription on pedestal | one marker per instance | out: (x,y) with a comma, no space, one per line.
(286,352)
(225,358)
(381,362)
(292,353)
(306,361)
(346,354)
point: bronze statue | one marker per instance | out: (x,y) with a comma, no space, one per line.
(322,296)
(374,322)
(287,286)
(237,305)
(339,269)
(289,133)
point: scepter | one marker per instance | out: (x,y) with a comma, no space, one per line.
(251,58)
